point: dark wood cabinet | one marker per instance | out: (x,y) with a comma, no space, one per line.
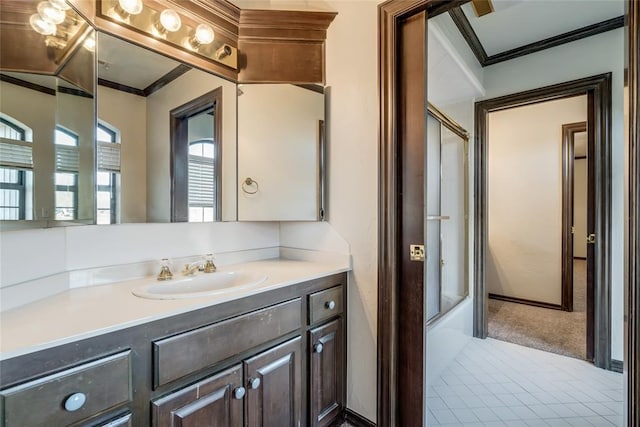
(273,380)
(214,402)
(327,376)
(250,362)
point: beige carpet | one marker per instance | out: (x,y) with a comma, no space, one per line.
(550,330)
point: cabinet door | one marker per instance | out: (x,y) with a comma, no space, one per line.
(213,402)
(273,379)
(326,382)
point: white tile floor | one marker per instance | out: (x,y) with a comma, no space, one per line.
(495,383)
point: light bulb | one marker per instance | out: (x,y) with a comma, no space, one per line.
(50,13)
(60,4)
(204,34)
(170,20)
(132,7)
(41,26)
(90,43)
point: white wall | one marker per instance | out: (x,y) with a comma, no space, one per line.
(278,147)
(587,57)
(351,55)
(36,110)
(524,200)
(580,208)
(185,88)
(128,113)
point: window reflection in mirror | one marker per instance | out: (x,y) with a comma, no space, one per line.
(47,111)
(139,94)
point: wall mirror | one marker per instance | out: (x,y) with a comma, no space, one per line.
(47,113)
(166,139)
(280,152)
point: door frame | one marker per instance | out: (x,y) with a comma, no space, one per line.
(632,246)
(389,15)
(568,197)
(598,91)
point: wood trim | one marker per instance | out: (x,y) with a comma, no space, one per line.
(580,257)
(617,366)
(356,420)
(568,133)
(632,338)
(571,36)
(525,301)
(312,87)
(580,157)
(166,79)
(389,15)
(180,153)
(74,92)
(120,87)
(470,36)
(27,85)
(598,89)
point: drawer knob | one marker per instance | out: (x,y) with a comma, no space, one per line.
(75,402)
(330,305)
(239,393)
(254,383)
(318,348)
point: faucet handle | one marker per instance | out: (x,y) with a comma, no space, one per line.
(165,271)
(209,266)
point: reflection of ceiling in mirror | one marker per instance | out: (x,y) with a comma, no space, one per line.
(130,65)
(51,82)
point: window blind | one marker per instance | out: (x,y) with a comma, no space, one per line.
(16,154)
(108,156)
(201,181)
(67,158)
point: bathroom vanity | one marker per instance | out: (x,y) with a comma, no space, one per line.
(273,358)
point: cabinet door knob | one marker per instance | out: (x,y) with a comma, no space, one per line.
(318,348)
(75,402)
(330,305)
(254,383)
(239,393)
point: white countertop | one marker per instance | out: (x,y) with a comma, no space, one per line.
(85,312)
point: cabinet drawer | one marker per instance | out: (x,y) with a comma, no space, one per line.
(189,352)
(325,304)
(104,384)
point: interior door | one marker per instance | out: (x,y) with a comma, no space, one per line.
(411,152)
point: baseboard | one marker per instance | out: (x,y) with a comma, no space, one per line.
(580,257)
(357,420)
(617,365)
(526,301)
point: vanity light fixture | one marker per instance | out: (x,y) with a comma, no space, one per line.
(60,4)
(42,26)
(202,35)
(169,21)
(126,8)
(50,13)
(90,43)
(223,52)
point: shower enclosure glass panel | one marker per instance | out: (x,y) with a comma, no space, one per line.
(446,278)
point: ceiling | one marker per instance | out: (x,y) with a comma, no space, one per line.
(130,65)
(516,23)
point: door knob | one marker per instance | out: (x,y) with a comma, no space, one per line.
(318,348)
(239,393)
(591,239)
(254,383)
(330,305)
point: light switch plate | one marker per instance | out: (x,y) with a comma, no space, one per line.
(416,252)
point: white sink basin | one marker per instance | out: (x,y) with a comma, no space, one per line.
(199,285)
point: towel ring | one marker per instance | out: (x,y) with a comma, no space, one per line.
(248,183)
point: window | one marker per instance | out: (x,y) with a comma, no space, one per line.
(196,159)
(66,176)
(108,174)
(16,176)
(202,188)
